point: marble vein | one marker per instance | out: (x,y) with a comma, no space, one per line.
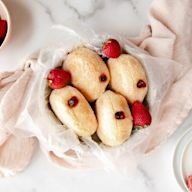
(146,179)
(95,5)
(132,3)
(47,10)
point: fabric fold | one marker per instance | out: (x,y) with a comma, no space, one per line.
(168,36)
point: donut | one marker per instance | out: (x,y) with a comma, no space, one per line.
(73,110)
(114,118)
(128,77)
(88,71)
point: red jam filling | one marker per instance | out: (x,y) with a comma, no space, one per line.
(120,115)
(141,84)
(73,101)
(103,78)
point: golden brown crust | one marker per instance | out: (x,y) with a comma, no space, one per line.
(80,118)
(85,67)
(125,73)
(110,130)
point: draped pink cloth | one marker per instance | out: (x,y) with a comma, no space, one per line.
(169,35)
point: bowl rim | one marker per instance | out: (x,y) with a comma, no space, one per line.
(179,150)
(8,19)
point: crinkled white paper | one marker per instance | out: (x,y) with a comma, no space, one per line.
(57,138)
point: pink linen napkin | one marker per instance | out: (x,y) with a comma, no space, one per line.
(169,35)
(16,149)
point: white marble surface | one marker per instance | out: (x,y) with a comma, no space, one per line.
(31,19)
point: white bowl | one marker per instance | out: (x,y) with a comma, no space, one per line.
(4,14)
(182,159)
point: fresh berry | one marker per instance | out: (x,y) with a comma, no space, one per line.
(103,78)
(73,101)
(141,84)
(189,183)
(111,48)
(58,78)
(120,115)
(141,115)
(3,29)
